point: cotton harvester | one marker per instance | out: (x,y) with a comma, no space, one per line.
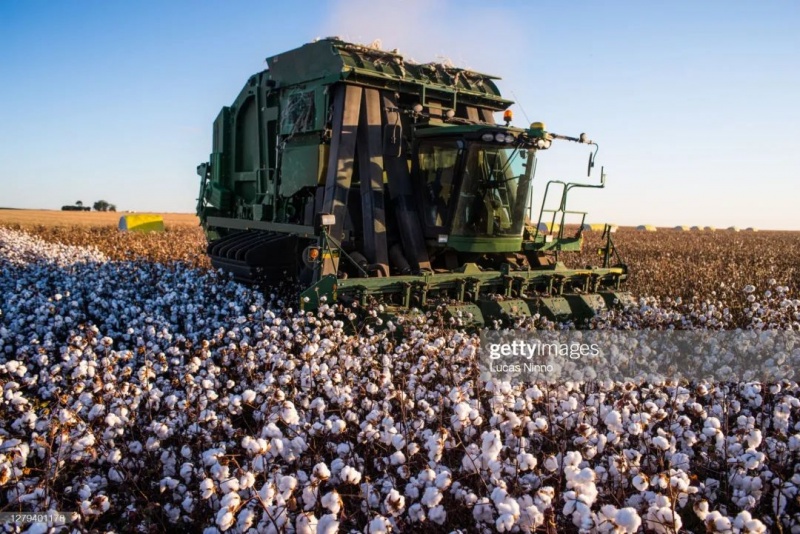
(369,179)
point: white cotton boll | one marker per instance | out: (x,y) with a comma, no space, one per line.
(231,501)
(310,495)
(206,488)
(437,514)
(572,459)
(661,442)
(530,518)
(462,410)
(338,426)
(229,485)
(246,519)
(85,492)
(443,480)
(84,442)
(350,475)
(224,519)
(114,456)
(289,413)
(482,512)
(112,420)
(526,461)
(716,522)
(753,438)
(97,506)
(540,424)
(397,458)
(378,525)
(661,520)
(745,523)
(504,523)
(416,513)
(260,463)
(328,524)
(679,460)
(321,471)
(343,449)
(628,520)
(248,396)
(471,462)
(332,501)
(641,482)
(167,483)
(551,463)
(431,497)
(491,445)
(287,484)
(398,441)
(187,504)
(306,523)
(115,475)
(247,480)
(96,411)
(220,472)
(394,503)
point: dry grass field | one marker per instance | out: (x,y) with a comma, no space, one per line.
(29,218)
(183,239)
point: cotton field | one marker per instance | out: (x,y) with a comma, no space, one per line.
(155,396)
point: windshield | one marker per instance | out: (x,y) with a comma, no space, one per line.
(494,192)
(437,165)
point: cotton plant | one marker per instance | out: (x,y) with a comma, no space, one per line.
(241,414)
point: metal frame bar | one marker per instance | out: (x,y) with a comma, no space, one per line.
(246,224)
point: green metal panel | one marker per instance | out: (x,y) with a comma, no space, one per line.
(324,291)
(303,164)
(618,298)
(586,305)
(329,60)
(500,309)
(242,224)
(484,244)
(565,244)
(468,314)
(554,308)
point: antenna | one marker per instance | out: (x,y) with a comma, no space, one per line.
(517,102)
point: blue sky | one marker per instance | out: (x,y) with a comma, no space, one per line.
(694,104)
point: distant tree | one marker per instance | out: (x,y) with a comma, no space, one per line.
(101,205)
(112,207)
(79,203)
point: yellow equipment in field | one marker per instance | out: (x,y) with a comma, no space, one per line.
(141,222)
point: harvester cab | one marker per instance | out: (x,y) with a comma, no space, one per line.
(374,180)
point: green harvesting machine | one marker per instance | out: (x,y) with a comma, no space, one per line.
(370,179)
